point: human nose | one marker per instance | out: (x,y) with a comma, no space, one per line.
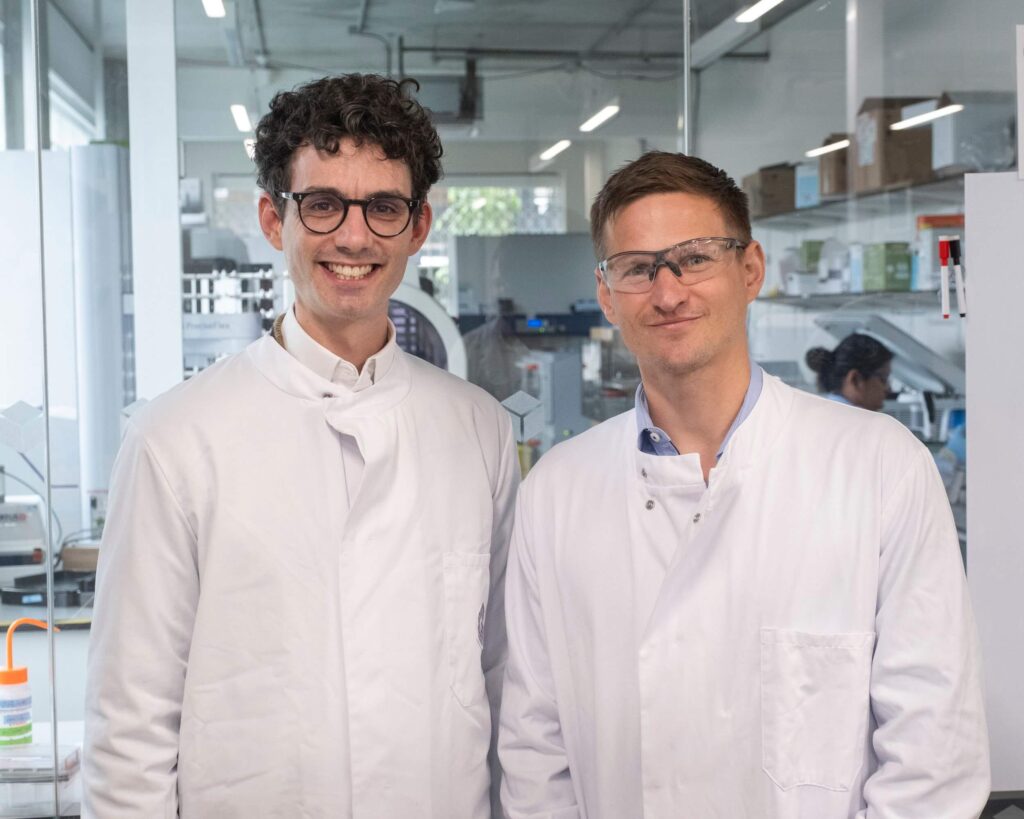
(353,232)
(667,289)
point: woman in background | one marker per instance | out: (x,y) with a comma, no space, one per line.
(856,372)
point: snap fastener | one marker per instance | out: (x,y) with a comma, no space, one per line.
(327,395)
(696,518)
(649,505)
(643,473)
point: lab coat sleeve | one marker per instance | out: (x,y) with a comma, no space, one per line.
(537,783)
(926,696)
(495,652)
(147,591)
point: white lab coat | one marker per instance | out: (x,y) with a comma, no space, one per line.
(251,657)
(811,653)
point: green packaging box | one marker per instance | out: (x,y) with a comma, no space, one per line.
(810,253)
(887,266)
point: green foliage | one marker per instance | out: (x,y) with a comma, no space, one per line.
(480,212)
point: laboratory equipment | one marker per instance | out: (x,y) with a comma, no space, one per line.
(425,330)
(554,378)
(15,695)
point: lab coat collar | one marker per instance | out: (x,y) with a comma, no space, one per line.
(288,374)
(332,367)
(750,442)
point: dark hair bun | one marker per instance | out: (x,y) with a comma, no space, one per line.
(819,359)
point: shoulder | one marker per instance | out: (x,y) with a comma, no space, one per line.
(592,454)
(430,384)
(822,427)
(203,398)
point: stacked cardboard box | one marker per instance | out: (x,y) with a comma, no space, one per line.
(771,190)
(884,158)
(832,168)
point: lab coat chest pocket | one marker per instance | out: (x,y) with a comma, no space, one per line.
(814,706)
(466,584)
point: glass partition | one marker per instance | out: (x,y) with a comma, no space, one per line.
(799,105)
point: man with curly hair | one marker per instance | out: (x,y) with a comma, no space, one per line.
(300,596)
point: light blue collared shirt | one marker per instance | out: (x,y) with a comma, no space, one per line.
(655,441)
(839,398)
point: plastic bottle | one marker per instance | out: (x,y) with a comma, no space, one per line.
(15,694)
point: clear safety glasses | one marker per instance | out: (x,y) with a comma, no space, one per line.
(691,262)
(323,212)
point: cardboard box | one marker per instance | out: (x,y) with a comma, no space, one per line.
(808,186)
(771,190)
(832,168)
(887,266)
(883,158)
(979,138)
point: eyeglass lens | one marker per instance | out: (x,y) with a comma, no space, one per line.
(692,262)
(386,216)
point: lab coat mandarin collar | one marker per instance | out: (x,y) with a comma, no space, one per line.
(332,367)
(750,443)
(288,374)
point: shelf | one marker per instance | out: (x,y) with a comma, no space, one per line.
(914,299)
(937,194)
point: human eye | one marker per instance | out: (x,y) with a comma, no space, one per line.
(321,204)
(387,207)
(695,260)
(631,268)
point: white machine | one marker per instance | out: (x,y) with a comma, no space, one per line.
(425,330)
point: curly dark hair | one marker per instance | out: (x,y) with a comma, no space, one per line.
(367,108)
(664,172)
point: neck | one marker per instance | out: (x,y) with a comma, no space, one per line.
(353,341)
(697,409)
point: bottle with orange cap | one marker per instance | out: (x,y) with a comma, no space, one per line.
(15,694)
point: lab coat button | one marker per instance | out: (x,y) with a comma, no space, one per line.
(696,518)
(649,505)
(643,473)
(327,395)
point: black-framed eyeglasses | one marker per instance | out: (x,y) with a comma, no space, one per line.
(692,261)
(323,211)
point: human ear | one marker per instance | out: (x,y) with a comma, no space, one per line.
(421,222)
(270,221)
(604,298)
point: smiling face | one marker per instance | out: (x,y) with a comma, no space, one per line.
(674,329)
(344,279)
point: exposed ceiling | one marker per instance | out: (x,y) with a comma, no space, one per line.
(539,59)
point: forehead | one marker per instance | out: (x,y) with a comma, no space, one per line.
(662,219)
(353,170)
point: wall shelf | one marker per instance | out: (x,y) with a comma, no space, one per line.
(939,194)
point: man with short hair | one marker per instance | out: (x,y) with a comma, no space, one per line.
(300,596)
(737,599)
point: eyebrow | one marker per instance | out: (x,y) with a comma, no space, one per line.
(340,195)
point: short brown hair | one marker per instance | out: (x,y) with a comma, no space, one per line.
(664,172)
(366,108)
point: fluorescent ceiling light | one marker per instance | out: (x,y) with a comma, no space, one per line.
(827,149)
(214,8)
(600,118)
(241,116)
(250,147)
(555,149)
(757,10)
(920,119)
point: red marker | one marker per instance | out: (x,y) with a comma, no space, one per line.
(944,278)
